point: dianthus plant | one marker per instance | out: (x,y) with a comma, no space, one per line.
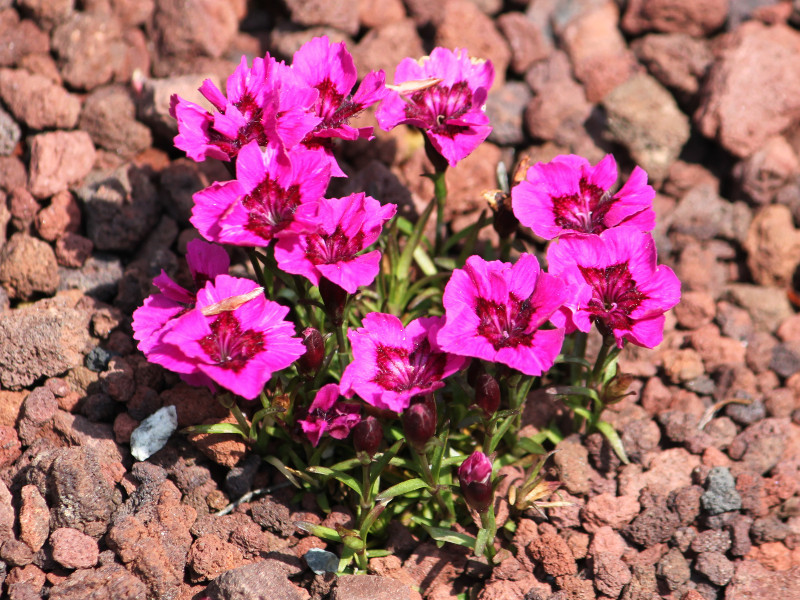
(367,363)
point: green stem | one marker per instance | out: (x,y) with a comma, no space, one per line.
(240,419)
(366,485)
(488,522)
(340,340)
(436,491)
(440,191)
(578,351)
(597,372)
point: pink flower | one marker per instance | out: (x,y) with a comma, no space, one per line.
(451,111)
(624,292)
(157,314)
(261,202)
(569,195)
(234,336)
(327,239)
(329,68)
(495,311)
(391,363)
(475,479)
(327,415)
(265,103)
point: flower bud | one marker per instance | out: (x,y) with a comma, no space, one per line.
(334,298)
(367,436)
(487,394)
(475,479)
(419,422)
(617,389)
(309,363)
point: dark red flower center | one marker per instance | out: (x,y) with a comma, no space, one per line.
(505,325)
(614,295)
(326,249)
(270,208)
(437,105)
(253,129)
(584,211)
(334,108)
(400,370)
(229,346)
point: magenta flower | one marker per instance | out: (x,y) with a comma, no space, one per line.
(261,202)
(475,479)
(625,293)
(157,314)
(234,336)
(265,103)
(327,415)
(391,363)
(327,239)
(495,311)
(569,195)
(450,111)
(329,68)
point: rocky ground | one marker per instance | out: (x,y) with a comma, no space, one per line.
(705,95)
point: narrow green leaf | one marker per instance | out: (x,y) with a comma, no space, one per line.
(377,553)
(216,428)
(424,261)
(453,461)
(371,517)
(347,557)
(380,464)
(480,541)
(501,431)
(350,482)
(453,537)
(318,470)
(530,446)
(574,390)
(582,412)
(613,438)
(402,488)
(325,533)
(340,476)
(276,462)
(404,264)
(438,452)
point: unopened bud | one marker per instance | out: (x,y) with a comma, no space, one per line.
(617,389)
(475,479)
(419,422)
(505,221)
(487,394)
(309,363)
(367,436)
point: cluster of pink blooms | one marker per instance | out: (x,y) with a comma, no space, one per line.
(277,123)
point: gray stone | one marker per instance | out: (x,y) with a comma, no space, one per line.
(721,495)
(9,133)
(152,434)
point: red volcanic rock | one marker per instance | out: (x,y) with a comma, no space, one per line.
(73,549)
(753,90)
(59,159)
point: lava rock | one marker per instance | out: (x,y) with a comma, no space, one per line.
(721,495)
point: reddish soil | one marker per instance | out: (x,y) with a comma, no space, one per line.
(94,202)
